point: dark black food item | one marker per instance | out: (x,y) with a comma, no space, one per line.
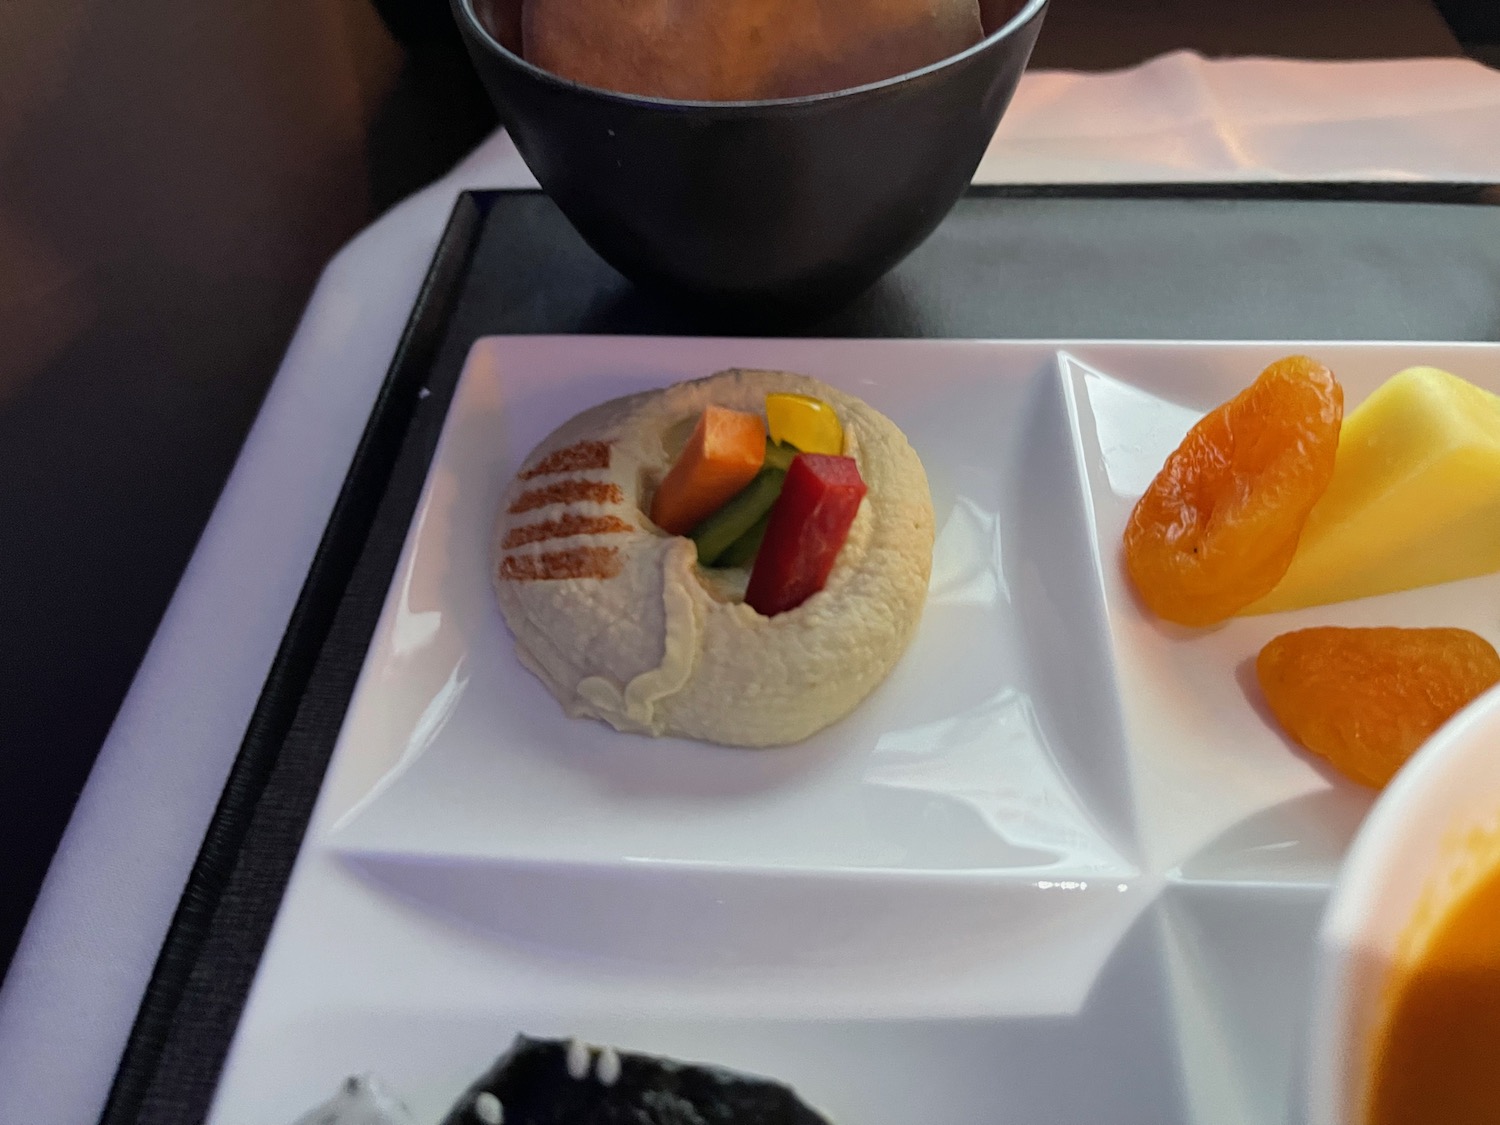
(533,1084)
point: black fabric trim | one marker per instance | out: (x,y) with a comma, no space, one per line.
(291,672)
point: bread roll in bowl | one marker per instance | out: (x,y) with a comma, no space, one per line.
(620,622)
(744,50)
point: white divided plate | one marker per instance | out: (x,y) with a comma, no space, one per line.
(1059,868)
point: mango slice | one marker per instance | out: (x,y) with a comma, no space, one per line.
(1414,499)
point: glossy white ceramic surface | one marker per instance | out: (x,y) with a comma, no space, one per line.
(1401,858)
(1058,868)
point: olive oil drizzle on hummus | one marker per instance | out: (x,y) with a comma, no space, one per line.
(634,708)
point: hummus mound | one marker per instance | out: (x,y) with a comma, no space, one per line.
(620,622)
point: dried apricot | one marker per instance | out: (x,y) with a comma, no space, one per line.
(1366,699)
(1218,526)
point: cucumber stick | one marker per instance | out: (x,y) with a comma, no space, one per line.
(719,532)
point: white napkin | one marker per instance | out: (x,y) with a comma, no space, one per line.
(1181,117)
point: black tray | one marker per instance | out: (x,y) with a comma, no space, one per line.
(1222,262)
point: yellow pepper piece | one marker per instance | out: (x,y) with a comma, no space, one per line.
(807,424)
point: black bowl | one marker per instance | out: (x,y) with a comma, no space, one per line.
(800,202)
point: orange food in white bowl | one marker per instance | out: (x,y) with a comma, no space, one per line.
(1405,1024)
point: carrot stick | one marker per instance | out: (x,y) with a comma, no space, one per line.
(721,457)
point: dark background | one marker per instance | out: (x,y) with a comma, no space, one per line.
(173,175)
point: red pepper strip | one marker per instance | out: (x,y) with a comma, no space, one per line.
(806,531)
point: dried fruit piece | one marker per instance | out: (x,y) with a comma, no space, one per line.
(1218,526)
(1366,699)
